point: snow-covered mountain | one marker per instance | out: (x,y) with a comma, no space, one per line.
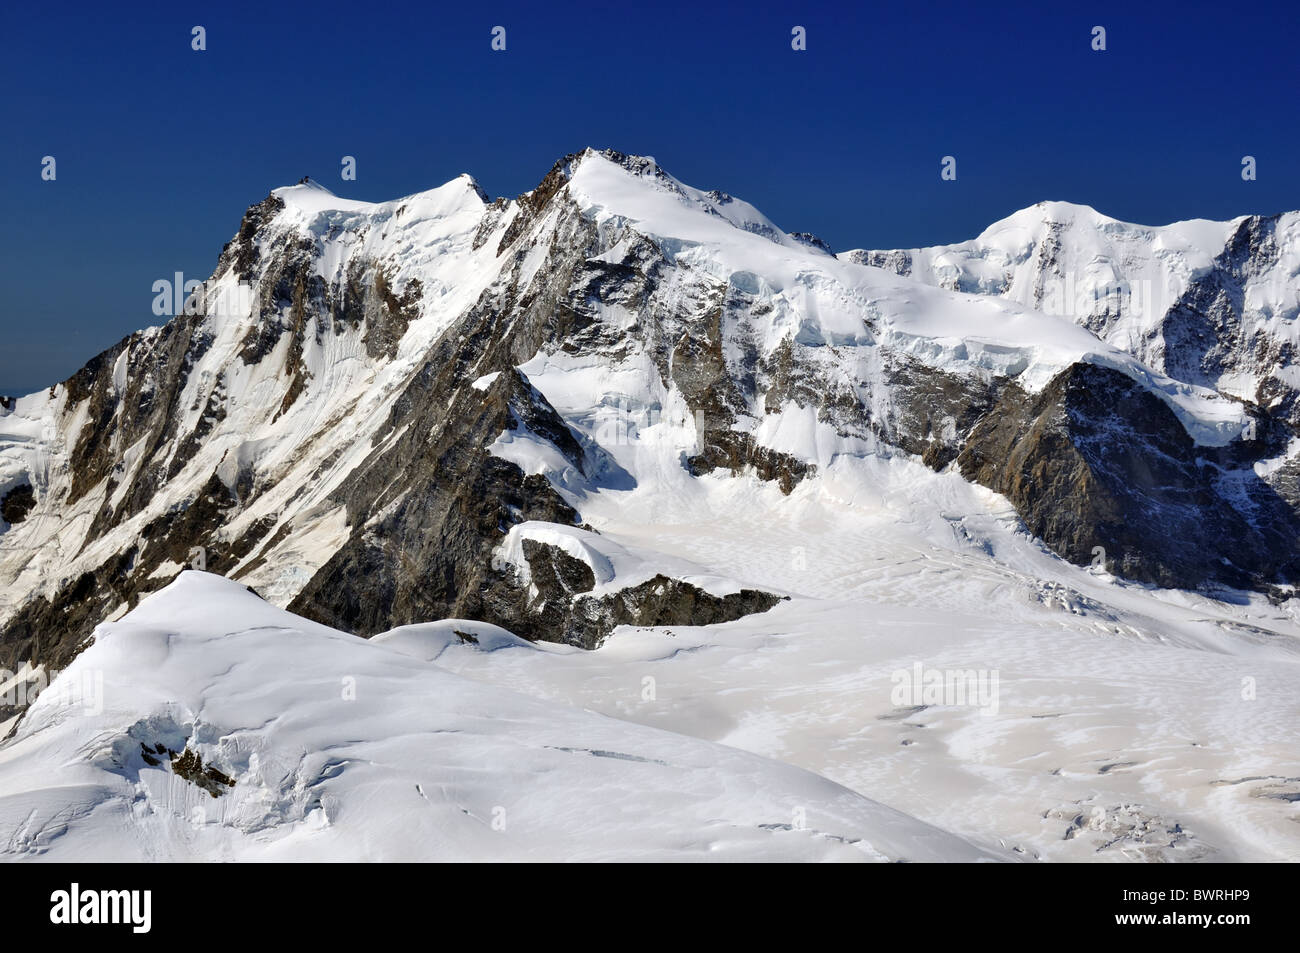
(1209,303)
(621,403)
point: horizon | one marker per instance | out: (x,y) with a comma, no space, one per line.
(842,139)
(312,180)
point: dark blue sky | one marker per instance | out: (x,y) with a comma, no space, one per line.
(160,148)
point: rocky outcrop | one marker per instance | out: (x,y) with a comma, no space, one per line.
(427,511)
(1209,333)
(1102,472)
(555,604)
(812,241)
(16,503)
(897,261)
(740,452)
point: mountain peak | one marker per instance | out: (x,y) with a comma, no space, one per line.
(1052,212)
(310,196)
(305,184)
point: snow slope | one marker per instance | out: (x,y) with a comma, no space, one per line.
(1131,724)
(343,749)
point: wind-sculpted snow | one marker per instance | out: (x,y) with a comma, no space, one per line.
(343,749)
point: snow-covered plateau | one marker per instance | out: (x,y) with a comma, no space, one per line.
(612,522)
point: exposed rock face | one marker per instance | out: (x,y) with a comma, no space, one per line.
(15,504)
(738,452)
(812,241)
(427,511)
(897,261)
(1094,460)
(1212,332)
(556,607)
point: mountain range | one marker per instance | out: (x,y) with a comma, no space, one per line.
(618,404)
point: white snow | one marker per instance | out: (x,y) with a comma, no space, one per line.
(343,749)
(1075,262)
(1112,697)
(613,565)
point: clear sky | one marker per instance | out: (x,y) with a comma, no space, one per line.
(160,148)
